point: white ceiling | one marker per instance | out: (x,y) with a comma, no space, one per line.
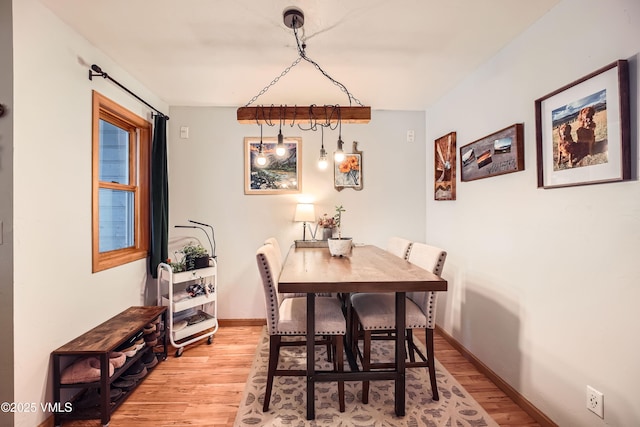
(400,55)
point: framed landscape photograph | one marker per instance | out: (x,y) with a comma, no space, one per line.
(445,167)
(278,174)
(496,154)
(348,173)
(583,130)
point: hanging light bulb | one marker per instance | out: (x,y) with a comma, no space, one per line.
(261,160)
(280,149)
(322,161)
(338,155)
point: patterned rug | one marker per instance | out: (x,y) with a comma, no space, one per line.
(288,400)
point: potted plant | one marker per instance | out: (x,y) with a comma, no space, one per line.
(339,246)
(195,256)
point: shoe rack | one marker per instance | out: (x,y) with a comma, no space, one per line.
(98,399)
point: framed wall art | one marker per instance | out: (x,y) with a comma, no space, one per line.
(583,130)
(348,173)
(496,154)
(278,174)
(445,167)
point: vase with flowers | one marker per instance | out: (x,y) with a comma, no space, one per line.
(327,224)
(339,246)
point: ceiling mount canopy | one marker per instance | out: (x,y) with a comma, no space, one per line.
(293,18)
(313,115)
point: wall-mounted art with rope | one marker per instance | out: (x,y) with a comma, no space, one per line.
(445,167)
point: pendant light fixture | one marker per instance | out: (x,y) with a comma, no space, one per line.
(280,149)
(322,161)
(293,18)
(261,160)
(338,156)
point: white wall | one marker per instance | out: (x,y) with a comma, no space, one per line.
(544,283)
(56,296)
(206,184)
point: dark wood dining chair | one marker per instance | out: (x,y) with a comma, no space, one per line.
(374,313)
(287,317)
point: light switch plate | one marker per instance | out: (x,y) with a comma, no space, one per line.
(184,132)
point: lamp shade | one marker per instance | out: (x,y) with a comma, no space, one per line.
(305,212)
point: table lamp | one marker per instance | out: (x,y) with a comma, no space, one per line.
(305,212)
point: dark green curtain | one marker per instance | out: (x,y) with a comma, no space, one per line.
(159,196)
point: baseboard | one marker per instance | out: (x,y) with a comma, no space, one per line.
(520,400)
(242,322)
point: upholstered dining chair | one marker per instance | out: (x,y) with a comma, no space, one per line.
(375,312)
(273,241)
(399,246)
(286,317)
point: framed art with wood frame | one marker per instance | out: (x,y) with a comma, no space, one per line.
(279,174)
(496,154)
(348,173)
(445,167)
(583,130)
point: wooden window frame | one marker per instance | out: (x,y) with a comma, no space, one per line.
(139,177)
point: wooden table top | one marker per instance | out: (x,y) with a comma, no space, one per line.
(367,269)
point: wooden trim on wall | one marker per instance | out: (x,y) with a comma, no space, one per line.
(242,322)
(519,399)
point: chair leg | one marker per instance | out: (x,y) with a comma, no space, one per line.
(432,363)
(274,353)
(354,333)
(366,364)
(411,346)
(329,349)
(339,366)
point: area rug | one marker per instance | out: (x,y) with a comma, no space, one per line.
(288,400)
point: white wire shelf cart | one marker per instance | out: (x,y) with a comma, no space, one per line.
(192,316)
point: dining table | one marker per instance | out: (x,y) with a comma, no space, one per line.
(367,268)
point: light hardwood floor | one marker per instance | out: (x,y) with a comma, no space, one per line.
(204,386)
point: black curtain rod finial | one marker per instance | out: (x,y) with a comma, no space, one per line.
(99,72)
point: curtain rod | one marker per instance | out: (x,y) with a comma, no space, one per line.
(103,74)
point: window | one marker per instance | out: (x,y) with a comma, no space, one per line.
(121,169)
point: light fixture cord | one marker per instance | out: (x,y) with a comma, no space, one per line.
(303,55)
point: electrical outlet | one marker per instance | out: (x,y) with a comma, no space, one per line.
(595,401)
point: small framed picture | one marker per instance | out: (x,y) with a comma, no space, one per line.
(583,130)
(445,167)
(266,172)
(348,173)
(496,154)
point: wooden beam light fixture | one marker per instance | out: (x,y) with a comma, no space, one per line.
(313,115)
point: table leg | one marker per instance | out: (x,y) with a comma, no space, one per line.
(311,352)
(349,343)
(400,352)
